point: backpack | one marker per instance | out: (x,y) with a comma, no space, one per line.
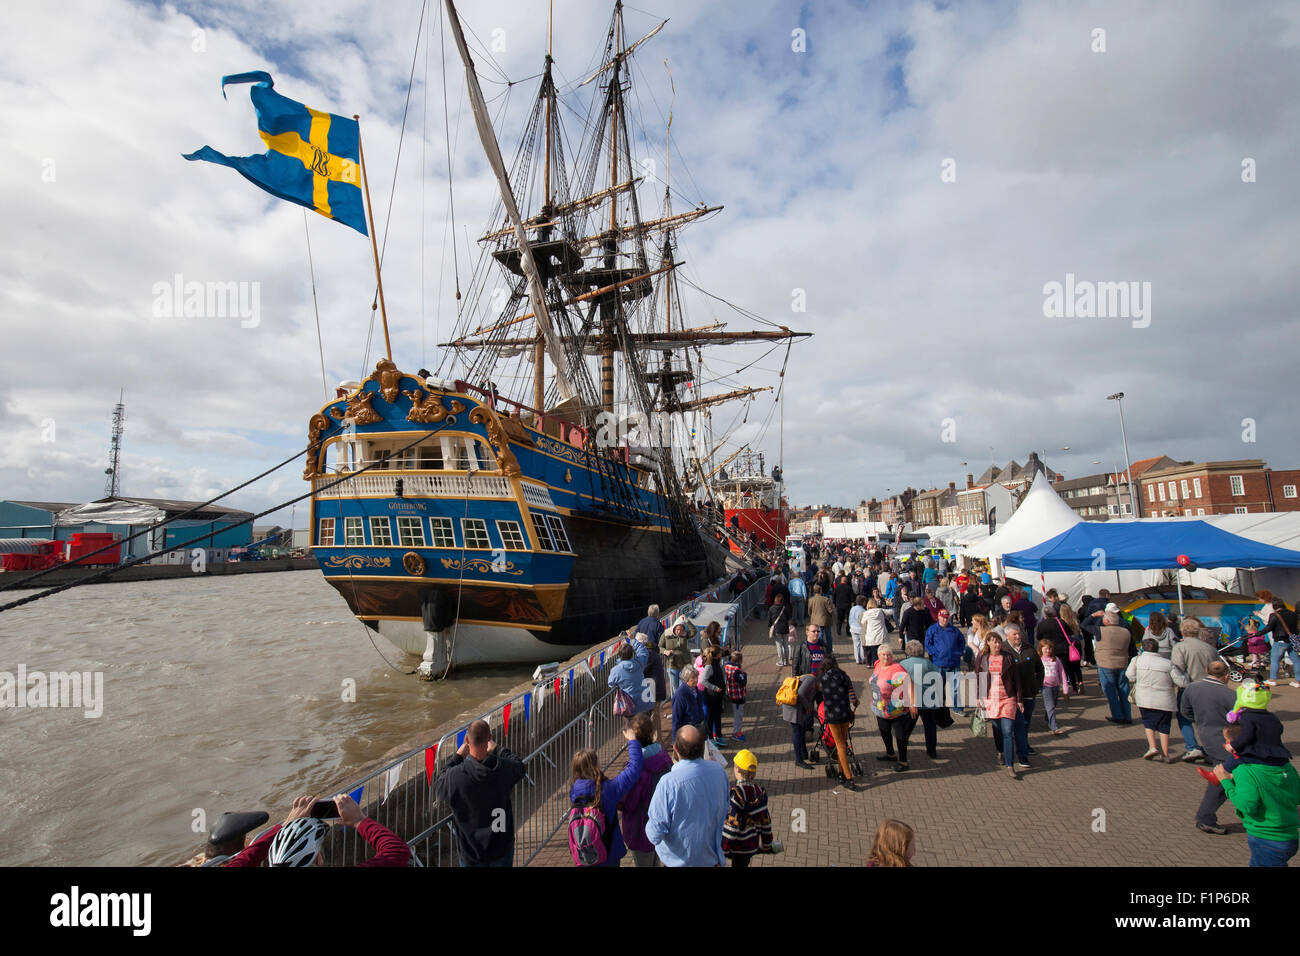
(788,693)
(587,827)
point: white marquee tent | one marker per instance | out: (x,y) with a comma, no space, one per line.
(1042,515)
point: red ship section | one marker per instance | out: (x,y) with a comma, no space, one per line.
(768,527)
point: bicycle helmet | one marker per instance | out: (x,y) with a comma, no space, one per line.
(297,842)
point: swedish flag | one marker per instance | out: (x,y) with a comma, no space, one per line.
(314,158)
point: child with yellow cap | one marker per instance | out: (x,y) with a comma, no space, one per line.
(748,827)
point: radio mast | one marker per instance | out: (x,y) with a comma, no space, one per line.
(111,483)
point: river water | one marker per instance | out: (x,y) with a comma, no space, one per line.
(220,693)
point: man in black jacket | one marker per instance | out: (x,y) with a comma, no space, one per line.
(971,604)
(843,598)
(476,785)
(1029,667)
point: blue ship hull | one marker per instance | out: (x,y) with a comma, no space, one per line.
(480,521)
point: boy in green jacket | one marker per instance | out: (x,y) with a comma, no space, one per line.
(1267,799)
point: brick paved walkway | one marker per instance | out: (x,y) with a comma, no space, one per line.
(967,811)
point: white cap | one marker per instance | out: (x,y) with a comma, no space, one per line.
(1112,608)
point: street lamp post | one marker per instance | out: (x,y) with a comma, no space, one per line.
(1118,398)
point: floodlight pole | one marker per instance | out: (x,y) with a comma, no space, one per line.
(1118,398)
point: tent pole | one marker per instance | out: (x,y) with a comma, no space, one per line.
(1180,595)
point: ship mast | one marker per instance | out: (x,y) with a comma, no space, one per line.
(483,122)
(610,304)
(548,94)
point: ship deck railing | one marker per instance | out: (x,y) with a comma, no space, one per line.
(570,708)
(477,485)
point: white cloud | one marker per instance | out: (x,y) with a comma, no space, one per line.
(925,297)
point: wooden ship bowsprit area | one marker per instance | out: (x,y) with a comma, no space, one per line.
(489,528)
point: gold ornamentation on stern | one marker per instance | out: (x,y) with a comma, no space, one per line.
(482,565)
(413,563)
(389,379)
(500,443)
(357,561)
(316,426)
(427,409)
(358,409)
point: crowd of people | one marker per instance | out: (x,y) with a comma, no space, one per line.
(968,646)
(936,644)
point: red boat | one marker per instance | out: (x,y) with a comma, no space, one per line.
(753,506)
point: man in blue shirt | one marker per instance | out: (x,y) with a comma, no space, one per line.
(650,625)
(689,807)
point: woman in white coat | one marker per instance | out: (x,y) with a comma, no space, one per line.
(1153,689)
(876,623)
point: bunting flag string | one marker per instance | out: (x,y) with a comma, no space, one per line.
(505,719)
(430,761)
(391,779)
(528,706)
(602,658)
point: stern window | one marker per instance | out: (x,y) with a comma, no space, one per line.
(543,534)
(475,532)
(443,537)
(558,533)
(410,532)
(352,533)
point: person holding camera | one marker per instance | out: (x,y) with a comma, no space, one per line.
(476,784)
(298,840)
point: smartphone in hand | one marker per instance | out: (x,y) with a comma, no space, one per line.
(324,810)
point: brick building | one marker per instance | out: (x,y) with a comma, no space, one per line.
(1207,488)
(1283,486)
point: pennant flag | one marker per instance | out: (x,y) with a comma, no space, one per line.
(430,761)
(602,658)
(356,794)
(391,779)
(528,706)
(591,661)
(558,681)
(570,676)
(505,719)
(314,158)
(460,739)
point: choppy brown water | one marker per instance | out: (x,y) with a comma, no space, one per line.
(220,694)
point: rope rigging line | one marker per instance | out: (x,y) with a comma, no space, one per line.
(152,528)
(103,575)
(315,306)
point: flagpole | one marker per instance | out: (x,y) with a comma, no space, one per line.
(374,246)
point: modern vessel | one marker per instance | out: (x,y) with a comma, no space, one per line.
(753,502)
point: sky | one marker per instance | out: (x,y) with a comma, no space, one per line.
(904,180)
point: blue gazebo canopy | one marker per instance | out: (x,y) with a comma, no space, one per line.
(1146,546)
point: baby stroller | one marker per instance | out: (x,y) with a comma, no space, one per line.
(827,741)
(1232,651)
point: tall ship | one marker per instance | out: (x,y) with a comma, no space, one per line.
(753,502)
(524,499)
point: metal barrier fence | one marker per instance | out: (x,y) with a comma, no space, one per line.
(750,599)
(570,709)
